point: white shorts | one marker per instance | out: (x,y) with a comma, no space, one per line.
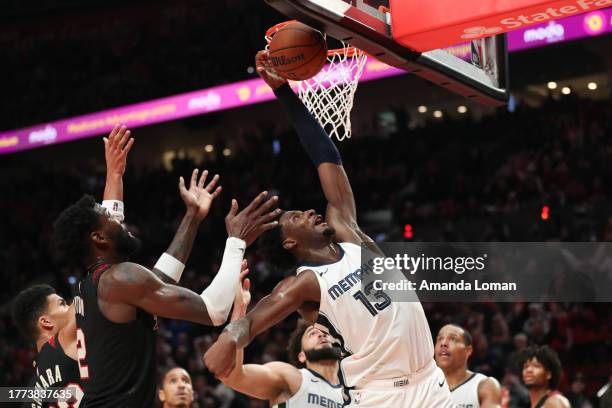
(425,389)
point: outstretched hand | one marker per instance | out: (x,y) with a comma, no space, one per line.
(266,72)
(116,148)
(243,294)
(199,198)
(259,216)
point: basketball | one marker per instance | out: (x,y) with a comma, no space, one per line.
(297,51)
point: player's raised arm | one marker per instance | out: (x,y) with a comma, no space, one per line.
(116,148)
(341,211)
(198,200)
(132,284)
(259,381)
(287,297)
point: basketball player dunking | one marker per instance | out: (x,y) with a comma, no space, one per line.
(468,389)
(45,318)
(118,300)
(311,379)
(388,345)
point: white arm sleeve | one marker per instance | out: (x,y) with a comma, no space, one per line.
(219,295)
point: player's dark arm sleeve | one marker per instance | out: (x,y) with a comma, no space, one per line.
(316,142)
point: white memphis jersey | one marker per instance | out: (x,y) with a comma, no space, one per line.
(465,395)
(315,391)
(384,340)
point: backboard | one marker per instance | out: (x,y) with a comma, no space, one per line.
(367,24)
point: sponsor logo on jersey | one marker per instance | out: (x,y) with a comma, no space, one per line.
(401,383)
(345,284)
(321,401)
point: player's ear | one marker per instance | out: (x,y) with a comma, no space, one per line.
(468,350)
(44,322)
(161,394)
(289,244)
(302,357)
(98,237)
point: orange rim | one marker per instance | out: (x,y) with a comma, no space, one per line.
(348,51)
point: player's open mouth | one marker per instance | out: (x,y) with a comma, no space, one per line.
(444,354)
(318,220)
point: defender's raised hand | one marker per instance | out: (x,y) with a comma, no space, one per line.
(116,148)
(259,216)
(199,198)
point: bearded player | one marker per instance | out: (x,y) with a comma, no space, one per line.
(44,318)
(310,380)
(118,300)
(468,389)
(387,346)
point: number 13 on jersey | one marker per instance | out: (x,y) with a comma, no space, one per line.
(373,308)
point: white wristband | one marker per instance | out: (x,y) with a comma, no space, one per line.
(115,208)
(170,266)
(219,295)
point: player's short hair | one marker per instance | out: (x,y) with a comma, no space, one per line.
(72,229)
(467,336)
(27,307)
(295,343)
(548,358)
(272,251)
(164,373)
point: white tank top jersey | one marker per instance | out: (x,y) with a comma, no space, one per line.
(315,391)
(383,340)
(465,395)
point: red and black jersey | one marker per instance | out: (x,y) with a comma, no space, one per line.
(548,395)
(116,360)
(54,369)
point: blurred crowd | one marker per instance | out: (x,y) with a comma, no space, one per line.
(452,173)
(143,50)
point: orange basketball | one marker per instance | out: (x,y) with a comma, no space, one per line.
(297,52)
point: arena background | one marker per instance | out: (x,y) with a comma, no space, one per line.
(482,175)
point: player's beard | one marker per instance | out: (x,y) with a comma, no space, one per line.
(126,244)
(325,353)
(329,232)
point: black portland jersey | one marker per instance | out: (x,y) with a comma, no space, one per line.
(117,360)
(54,369)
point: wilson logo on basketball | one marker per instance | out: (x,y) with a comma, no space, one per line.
(284,60)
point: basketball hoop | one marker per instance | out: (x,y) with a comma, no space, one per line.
(329,94)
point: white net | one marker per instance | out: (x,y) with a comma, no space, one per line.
(329,95)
